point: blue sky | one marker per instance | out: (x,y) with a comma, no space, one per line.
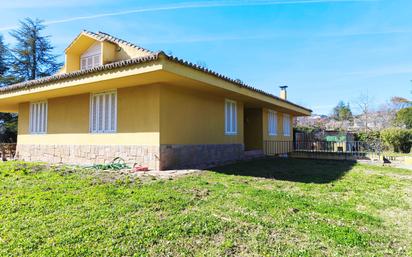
(324,50)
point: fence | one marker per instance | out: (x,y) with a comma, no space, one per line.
(7,151)
(325,149)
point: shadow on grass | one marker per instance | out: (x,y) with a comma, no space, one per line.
(296,170)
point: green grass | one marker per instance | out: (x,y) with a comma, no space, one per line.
(396,154)
(271,207)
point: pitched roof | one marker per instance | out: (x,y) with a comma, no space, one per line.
(101,36)
(152,56)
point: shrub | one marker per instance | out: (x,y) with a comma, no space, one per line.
(370,136)
(399,139)
(404,117)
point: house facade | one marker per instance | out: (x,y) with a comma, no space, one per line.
(115,99)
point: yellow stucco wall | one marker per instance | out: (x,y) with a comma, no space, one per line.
(108,52)
(72,63)
(152,115)
(68,114)
(193,117)
(23,119)
(68,120)
(253,129)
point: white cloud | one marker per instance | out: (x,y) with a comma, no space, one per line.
(30,4)
(178,6)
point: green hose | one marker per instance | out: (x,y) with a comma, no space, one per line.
(116,164)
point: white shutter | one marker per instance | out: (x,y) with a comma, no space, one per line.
(103,112)
(113,116)
(38,118)
(286,125)
(106,112)
(96,60)
(235,118)
(83,64)
(272,123)
(230,117)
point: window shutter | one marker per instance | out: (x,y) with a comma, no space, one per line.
(272,123)
(103,112)
(286,124)
(113,119)
(230,117)
(38,118)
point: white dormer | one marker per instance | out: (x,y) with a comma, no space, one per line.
(92,57)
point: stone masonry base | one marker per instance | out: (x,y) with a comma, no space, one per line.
(199,156)
(155,157)
(90,154)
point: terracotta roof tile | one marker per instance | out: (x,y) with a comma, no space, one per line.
(107,37)
(152,56)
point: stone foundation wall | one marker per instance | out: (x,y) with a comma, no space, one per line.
(90,154)
(199,156)
(155,157)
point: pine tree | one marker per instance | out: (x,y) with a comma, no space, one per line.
(32,55)
(342,112)
(4,65)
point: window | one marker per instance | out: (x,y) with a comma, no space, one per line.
(38,117)
(90,62)
(272,123)
(91,57)
(230,117)
(103,112)
(286,125)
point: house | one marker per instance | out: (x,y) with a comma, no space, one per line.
(115,99)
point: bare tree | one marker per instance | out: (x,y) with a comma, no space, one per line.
(364,103)
(385,115)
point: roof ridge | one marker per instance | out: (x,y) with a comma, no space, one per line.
(114,39)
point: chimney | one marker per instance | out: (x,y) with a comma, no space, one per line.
(283,93)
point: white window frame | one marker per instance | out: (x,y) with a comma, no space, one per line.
(230,117)
(38,118)
(272,123)
(286,125)
(97,129)
(90,58)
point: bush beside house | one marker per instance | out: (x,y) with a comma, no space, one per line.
(400,140)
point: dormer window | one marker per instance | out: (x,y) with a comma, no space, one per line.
(91,58)
(90,62)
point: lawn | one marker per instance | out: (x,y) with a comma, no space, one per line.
(270,207)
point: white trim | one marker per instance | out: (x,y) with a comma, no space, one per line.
(230,117)
(38,117)
(97,121)
(90,62)
(272,123)
(286,125)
